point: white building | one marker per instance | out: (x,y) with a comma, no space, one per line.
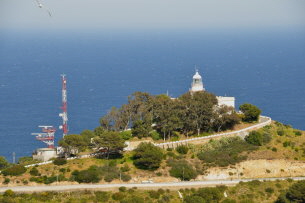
(44,154)
(197,85)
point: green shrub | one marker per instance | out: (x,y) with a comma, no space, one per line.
(63,170)
(9,193)
(125,168)
(257,138)
(225,151)
(110,177)
(60,161)
(274,149)
(118,196)
(125,177)
(269,190)
(15,170)
(90,175)
(183,170)
(122,189)
(102,196)
(6,181)
(297,133)
(154,194)
(34,172)
(296,193)
(159,174)
(25,182)
(286,144)
(280,132)
(182,149)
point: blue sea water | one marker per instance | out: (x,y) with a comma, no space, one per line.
(265,68)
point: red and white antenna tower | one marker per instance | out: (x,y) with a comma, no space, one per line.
(64,113)
(47,135)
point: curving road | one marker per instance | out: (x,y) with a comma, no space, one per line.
(138,185)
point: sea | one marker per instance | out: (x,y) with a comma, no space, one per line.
(263,67)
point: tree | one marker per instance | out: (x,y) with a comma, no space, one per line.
(111,141)
(73,143)
(141,129)
(87,136)
(147,156)
(199,110)
(3,162)
(166,115)
(225,118)
(251,112)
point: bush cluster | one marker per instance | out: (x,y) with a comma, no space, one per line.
(48,180)
(296,193)
(182,149)
(60,161)
(182,169)
(95,173)
(15,170)
(257,138)
(225,151)
(205,195)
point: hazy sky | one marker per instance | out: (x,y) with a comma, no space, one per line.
(146,14)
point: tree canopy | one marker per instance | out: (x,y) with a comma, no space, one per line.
(3,162)
(147,156)
(250,111)
(109,141)
(191,113)
(73,143)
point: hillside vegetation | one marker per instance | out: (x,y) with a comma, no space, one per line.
(187,162)
(250,192)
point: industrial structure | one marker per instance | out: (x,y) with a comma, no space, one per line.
(64,114)
(47,134)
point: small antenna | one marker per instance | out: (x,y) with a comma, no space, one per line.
(196,68)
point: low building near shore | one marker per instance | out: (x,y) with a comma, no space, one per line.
(45,154)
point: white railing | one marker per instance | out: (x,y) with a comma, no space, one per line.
(256,126)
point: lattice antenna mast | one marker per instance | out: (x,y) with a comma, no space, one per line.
(64,113)
(46,136)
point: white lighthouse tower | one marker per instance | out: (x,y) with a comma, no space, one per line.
(197,84)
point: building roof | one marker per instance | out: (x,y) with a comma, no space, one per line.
(196,76)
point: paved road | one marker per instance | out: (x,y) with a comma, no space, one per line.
(138,185)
